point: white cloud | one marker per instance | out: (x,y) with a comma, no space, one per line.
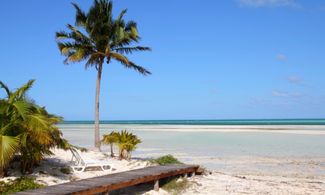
(281,57)
(277,93)
(295,80)
(269,3)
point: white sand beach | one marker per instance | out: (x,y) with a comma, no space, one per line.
(266,159)
(238,159)
(49,172)
(242,180)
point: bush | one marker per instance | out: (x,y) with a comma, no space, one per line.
(65,170)
(17,185)
(26,128)
(176,186)
(82,149)
(166,160)
(126,142)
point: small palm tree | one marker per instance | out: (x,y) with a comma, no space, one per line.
(110,139)
(97,39)
(13,110)
(27,128)
(127,143)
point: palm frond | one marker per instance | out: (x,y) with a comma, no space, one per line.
(21,92)
(77,56)
(131,28)
(140,69)
(94,59)
(131,24)
(81,17)
(21,107)
(61,35)
(77,35)
(130,50)
(128,64)
(39,128)
(8,146)
(110,138)
(5,87)
(74,52)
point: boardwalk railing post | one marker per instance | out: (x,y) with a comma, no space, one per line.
(156,185)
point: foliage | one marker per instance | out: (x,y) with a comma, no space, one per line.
(65,170)
(82,149)
(125,141)
(176,186)
(97,38)
(26,128)
(165,160)
(17,185)
(110,139)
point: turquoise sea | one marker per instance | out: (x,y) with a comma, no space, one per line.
(210,122)
(217,144)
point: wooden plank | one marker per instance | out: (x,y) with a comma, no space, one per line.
(115,181)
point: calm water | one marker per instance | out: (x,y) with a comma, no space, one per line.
(206,148)
(212,122)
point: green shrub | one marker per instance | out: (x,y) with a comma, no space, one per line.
(26,128)
(166,160)
(176,187)
(124,140)
(65,170)
(82,149)
(17,185)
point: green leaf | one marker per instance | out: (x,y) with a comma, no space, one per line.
(21,108)
(8,147)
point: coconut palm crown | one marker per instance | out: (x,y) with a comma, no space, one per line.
(97,38)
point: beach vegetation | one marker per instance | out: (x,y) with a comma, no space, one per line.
(97,38)
(82,149)
(165,160)
(19,184)
(26,129)
(110,139)
(65,170)
(125,141)
(176,186)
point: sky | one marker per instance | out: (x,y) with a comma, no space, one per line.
(225,59)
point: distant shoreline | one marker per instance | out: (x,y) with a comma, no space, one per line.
(206,122)
(283,129)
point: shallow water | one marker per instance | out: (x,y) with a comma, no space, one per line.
(215,149)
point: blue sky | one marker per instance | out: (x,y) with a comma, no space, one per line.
(227,59)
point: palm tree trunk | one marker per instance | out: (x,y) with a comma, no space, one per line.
(2,173)
(112,152)
(125,154)
(99,75)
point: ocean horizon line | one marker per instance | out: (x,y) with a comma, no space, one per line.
(308,121)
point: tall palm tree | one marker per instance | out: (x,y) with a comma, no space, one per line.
(97,38)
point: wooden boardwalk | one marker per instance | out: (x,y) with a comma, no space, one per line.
(107,183)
